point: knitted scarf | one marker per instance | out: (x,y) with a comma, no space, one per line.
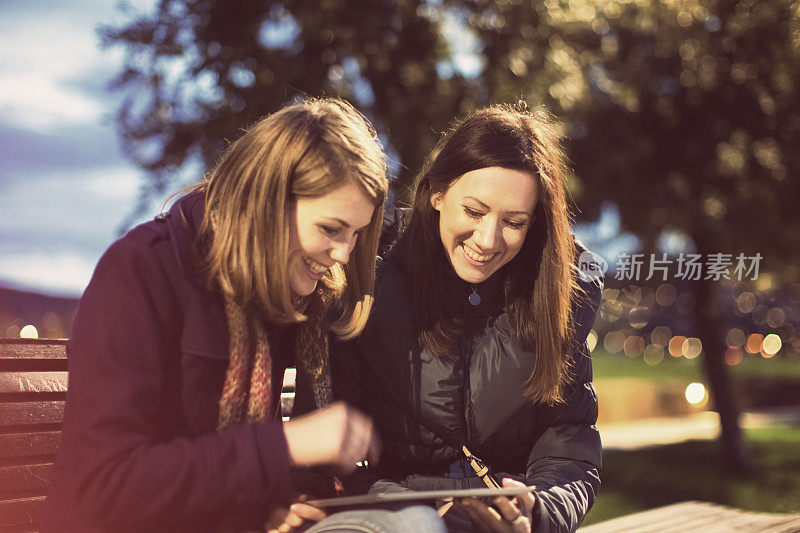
(247,392)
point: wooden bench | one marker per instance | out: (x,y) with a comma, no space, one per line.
(702,517)
(33,387)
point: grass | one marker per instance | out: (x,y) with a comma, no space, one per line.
(642,479)
(608,366)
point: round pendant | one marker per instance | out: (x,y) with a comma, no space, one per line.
(474,298)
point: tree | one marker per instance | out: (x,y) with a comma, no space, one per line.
(684,113)
(694,125)
(196,73)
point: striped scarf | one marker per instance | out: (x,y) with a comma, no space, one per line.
(247,392)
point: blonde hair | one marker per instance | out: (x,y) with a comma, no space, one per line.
(304,150)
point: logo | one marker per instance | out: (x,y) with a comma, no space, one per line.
(592,266)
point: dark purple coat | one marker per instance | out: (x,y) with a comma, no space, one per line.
(147,361)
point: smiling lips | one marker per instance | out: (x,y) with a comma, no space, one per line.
(475,256)
(316,268)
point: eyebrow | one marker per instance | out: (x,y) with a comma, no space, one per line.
(344,223)
(526,213)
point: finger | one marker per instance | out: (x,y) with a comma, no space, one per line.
(285,528)
(276,518)
(308,512)
(485,518)
(508,510)
(524,502)
(293,519)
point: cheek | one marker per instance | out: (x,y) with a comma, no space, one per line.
(454,227)
(514,241)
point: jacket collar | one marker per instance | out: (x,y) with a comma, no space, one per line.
(183,220)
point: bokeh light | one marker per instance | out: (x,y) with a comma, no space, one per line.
(733,356)
(665,294)
(676,346)
(760,314)
(634,346)
(776,317)
(735,338)
(660,335)
(696,394)
(639,317)
(692,347)
(754,343)
(29,332)
(614,341)
(746,302)
(653,354)
(611,310)
(771,345)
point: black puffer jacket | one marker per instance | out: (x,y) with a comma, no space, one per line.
(426,407)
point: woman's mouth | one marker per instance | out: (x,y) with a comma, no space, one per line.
(316,269)
(475,258)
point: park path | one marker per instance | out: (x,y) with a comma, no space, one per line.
(635,434)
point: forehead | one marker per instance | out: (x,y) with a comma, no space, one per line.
(502,189)
(348,203)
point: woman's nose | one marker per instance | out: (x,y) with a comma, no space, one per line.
(341,251)
(487,234)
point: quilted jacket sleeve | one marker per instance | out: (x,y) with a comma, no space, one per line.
(565,461)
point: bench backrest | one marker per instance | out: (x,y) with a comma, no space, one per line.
(33,386)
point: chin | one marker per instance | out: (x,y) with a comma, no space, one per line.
(470,275)
(302,289)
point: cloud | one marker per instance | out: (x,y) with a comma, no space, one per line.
(52,73)
(24,152)
(61,273)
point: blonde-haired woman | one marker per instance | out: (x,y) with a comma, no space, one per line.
(173,416)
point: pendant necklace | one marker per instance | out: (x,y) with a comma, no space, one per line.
(474,298)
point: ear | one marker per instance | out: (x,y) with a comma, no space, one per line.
(436,200)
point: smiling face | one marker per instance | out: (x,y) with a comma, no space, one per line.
(323,232)
(484,217)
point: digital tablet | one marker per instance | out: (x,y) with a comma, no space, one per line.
(416,495)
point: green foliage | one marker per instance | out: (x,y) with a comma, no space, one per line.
(637,480)
(684,113)
(196,73)
(607,366)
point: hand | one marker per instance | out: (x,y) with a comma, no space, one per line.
(283,520)
(515,514)
(337,435)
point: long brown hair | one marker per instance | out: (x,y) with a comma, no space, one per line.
(304,150)
(539,285)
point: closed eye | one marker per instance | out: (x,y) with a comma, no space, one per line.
(515,224)
(330,231)
(472,213)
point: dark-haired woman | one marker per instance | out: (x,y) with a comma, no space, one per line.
(477,340)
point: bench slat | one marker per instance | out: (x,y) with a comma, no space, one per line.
(32,382)
(20,445)
(33,349)
(24,478)
(31,413)
(21,512)
(697,516)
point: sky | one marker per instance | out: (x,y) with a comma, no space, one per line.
(65,187)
